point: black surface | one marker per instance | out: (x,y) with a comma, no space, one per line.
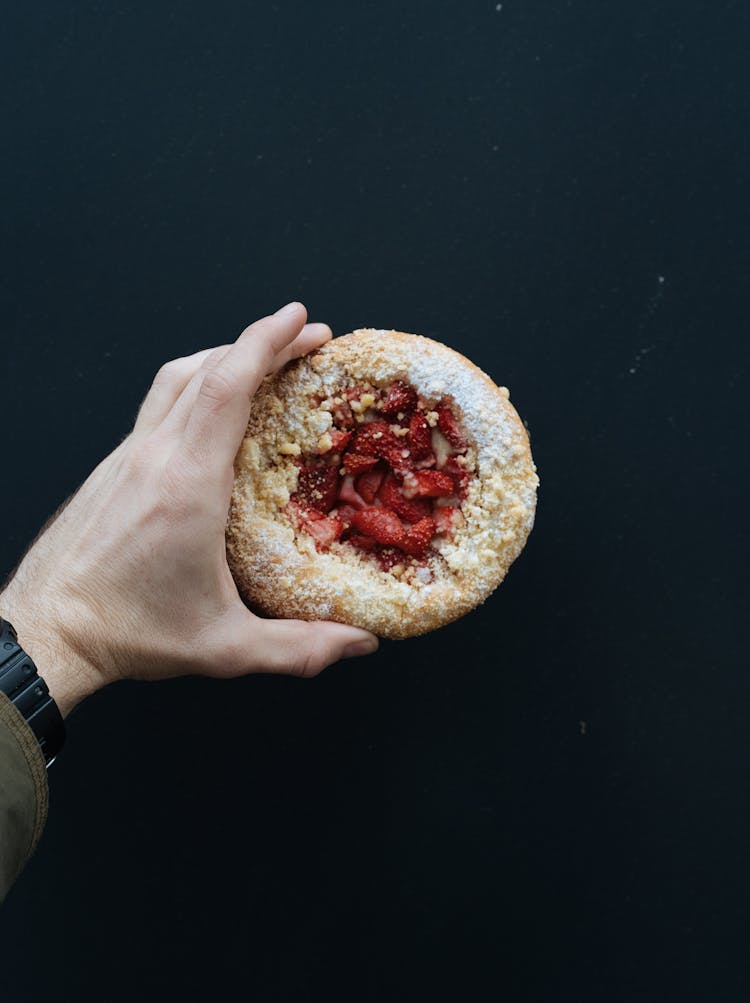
(549,799)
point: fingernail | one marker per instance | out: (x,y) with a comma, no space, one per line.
(289,308)
(356,648)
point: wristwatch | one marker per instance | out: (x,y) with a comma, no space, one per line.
(20,681)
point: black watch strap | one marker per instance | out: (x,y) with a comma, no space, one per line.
(20,681)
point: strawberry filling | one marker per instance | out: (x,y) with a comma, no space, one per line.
(388,478)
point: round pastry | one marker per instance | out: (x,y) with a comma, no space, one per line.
(384,481)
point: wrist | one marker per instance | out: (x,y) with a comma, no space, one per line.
(46,633)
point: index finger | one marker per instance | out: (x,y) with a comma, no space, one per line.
(218,418)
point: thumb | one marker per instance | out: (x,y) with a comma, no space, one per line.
(300,648)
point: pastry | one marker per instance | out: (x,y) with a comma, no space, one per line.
(384,481)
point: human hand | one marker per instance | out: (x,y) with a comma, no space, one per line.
(129,580)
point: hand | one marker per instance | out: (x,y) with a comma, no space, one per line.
(129,580)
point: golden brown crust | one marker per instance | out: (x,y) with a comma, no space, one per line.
(279,572)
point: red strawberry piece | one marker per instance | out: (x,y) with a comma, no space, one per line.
(343,415)
(357,463)
(410,510)
(344,513)
(348,493)
(460,476)
(367,484)
(325,530)
(367,437)
(362,542)
(397,454)
(376,438)
(420,440)
(339,440)
(381,524)
(428,484)
(449,426)
(418,537)
(400,463)
(317,487)
(400,397)
(447,518)
(389,557)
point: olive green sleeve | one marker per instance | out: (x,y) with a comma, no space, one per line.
(23,793)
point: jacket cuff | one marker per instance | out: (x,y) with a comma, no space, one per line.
(24,738)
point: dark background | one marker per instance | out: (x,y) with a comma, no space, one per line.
(547,800)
